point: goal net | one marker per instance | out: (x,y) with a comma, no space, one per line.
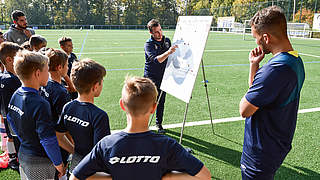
(293,30)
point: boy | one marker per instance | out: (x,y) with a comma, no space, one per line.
(57,95)
(37,42)
(29,115)
(9,84)
(67,45)
(136,152)
(86,123)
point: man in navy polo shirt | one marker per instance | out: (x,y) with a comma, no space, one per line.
(271,104)
(157,49)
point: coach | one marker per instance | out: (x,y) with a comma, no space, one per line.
(18,32)
(157,49)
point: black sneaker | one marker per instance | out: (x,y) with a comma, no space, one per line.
(13,164)
(160,129)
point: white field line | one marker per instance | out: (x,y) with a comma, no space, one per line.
(215,121)
(139,52)
(222,50)
(309,55)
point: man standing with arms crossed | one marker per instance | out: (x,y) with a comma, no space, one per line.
(18,32)
(271,104)
(157,49)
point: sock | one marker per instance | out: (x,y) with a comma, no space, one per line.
(3,137)
(11,151)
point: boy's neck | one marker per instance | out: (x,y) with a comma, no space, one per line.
(10,69)
(86,98)
(31,84)
(54,75)
(137,124)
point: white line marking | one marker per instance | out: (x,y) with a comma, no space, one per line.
(309,55)
(215,121)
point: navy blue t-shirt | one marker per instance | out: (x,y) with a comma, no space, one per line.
(144,155)
(153,69)
(269,131)
(9,83)
(71,59)
(86,123)
(29,115)
(57,95)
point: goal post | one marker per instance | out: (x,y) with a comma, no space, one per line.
(298,30)
(246,33)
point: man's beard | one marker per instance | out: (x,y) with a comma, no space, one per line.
(264,48)
(22,27)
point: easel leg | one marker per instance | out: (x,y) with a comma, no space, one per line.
(184,122)
(150,121)
(205,85)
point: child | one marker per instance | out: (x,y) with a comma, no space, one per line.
(37,42)
(9,84)
(136,152)
(57,95)
(29,115)
(67,46)
(86,123)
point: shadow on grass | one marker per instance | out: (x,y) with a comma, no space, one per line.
(232,157)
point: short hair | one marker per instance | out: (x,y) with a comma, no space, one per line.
(56,58)
(16,14)
(27,62)
(270,19)
(153,23)
(85,74)
(8,49)
(1,33)
(36,40)
(26,45)
(63,40)
(138,95)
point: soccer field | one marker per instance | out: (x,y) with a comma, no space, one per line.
(226,68)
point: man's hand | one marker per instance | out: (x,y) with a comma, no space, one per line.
(61,169)
(27,33)
(165,55)
(172,49)
(256,55)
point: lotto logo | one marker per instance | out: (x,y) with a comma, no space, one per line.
(76,120)
(134,159)
(16,109)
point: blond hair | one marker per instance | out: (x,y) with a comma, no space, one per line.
(27,62)
(138,95)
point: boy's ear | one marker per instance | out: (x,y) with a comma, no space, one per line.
(59,67)
(154,108)
(122,105)
(9,60)
(37,73)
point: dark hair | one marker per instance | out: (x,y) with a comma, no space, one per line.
(63,40)
(85,74)
(16,14)
(153,23)
(56,58)
(270,19)
(1,33)
(8,49)
(36,40)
